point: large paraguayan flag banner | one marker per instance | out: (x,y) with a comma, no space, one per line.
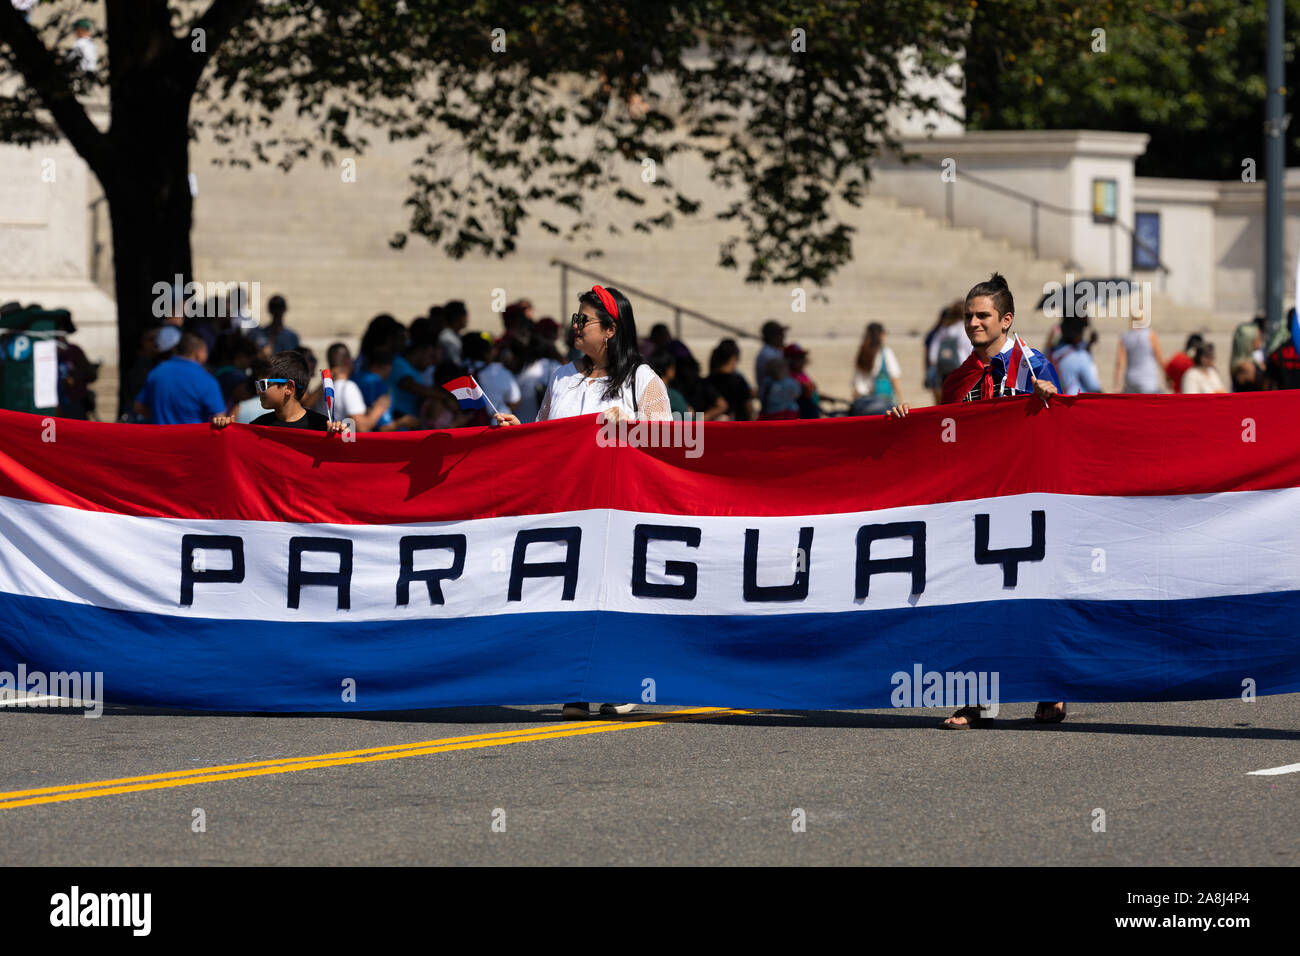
(1103,548)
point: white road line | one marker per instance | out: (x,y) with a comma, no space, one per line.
(29,700)
(1273,771)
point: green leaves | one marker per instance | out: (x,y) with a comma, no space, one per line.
(583,111)
(1190,74)
(584,93)
(783,106)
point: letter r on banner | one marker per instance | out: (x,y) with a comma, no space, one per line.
(432,577)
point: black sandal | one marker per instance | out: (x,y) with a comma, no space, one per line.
(1054,718)
(974,717)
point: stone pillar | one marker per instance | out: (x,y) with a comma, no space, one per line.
(45,241)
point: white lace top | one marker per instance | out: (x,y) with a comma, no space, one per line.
(572,393)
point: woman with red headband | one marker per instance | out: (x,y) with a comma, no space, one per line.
(612,380)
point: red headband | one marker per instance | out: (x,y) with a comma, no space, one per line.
(607,301)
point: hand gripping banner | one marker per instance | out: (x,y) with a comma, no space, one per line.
(1102,548)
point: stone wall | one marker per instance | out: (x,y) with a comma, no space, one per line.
(46,237)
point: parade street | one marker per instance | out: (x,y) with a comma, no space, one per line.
(1115,784)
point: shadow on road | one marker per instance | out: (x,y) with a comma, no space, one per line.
(1076,723)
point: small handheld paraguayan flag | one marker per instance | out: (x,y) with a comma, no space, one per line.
(1014,368)
(468,393)
(328,382)
(1021,359)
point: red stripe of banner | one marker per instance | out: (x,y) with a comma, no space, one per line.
(1088,445)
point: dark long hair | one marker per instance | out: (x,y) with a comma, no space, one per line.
(624,349)
(872,342)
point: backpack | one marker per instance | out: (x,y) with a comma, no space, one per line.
(884,387)
(949,358)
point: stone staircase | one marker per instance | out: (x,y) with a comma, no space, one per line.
(324,245)
(907,265)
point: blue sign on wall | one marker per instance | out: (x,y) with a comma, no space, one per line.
(1146,240)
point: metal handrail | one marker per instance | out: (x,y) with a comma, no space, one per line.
(96,247)
(678,310)
(1034,205)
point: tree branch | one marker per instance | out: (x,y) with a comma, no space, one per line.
(217,23)
(46,76)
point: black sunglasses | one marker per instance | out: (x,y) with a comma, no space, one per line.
(579,321)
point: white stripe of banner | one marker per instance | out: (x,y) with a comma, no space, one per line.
(1094,548)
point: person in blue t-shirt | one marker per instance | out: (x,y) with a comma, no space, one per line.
(1074,362)
(405,382)
(373,378)
(180,391)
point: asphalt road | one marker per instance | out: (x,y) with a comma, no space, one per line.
(869,787)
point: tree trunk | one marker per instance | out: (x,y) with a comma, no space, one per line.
(150,217)
(147,185)
(142,162)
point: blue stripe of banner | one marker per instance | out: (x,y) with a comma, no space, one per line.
(1041,650)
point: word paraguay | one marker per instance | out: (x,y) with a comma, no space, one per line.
(46,690)
(923,688)
(646,434)
(74,908)
(196,568)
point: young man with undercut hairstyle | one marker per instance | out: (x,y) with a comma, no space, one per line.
(990,310)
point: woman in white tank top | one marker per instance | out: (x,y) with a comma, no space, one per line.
(610,379)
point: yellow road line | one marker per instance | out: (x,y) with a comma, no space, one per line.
(182,778)
(544,729)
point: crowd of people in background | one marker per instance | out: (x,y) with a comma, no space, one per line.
(1140,363)
(193,369)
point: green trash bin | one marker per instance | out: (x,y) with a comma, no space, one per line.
(28,336)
